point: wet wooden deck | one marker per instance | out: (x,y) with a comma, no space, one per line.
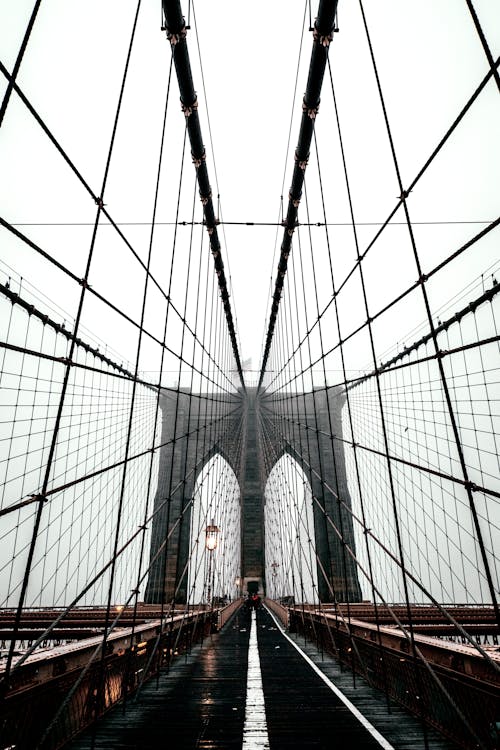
(200,703)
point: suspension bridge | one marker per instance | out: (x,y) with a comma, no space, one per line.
(151,480)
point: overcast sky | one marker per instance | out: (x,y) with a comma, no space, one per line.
(430,60)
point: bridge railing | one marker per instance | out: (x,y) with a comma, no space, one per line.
(225,613)
(449,686)
(54,695)
(279,610)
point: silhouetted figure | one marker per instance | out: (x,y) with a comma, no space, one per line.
(254,601)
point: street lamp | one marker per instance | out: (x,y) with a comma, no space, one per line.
(211,536)
(211,541)
(274,566)
(238,584)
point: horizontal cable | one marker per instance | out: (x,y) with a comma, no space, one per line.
(387,307)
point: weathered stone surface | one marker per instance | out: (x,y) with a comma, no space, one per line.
(252,433)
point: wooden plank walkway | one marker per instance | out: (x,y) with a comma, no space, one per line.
(400,728)
(200,703)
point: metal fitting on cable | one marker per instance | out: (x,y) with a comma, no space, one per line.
(199,161)
(301,162)
(188,109)
(323,39)
(176,38)
(311,111)
(41,498)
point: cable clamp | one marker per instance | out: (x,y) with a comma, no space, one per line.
(422,278)
(311,111)
(188,109)
(302,163)
(323,39)
(404,195)
(295,201)
(99,201)
(40,497)
(84,283)
(199,161)
(65,361)
(470,486)
(176,38)
(205,198)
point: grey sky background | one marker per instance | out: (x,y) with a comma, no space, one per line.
(429,59)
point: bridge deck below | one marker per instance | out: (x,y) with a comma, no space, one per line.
(201,703)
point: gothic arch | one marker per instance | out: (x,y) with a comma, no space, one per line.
(231,425)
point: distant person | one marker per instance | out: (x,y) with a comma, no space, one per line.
(255,601)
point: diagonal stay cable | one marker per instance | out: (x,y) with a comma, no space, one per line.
(388,221)
(368,531)
(19,59)
(101,297)
(97,200)
(393,302)
(64,389)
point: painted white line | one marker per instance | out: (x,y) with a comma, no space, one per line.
(255,735)
(345,700)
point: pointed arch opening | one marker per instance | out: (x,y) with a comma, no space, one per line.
(215,535)
(290,544)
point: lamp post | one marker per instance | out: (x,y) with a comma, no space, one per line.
(237,583)
(211,541)
(274,566)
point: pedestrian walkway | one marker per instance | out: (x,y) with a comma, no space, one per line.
(218,697)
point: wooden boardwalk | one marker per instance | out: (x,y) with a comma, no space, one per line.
(200,703)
